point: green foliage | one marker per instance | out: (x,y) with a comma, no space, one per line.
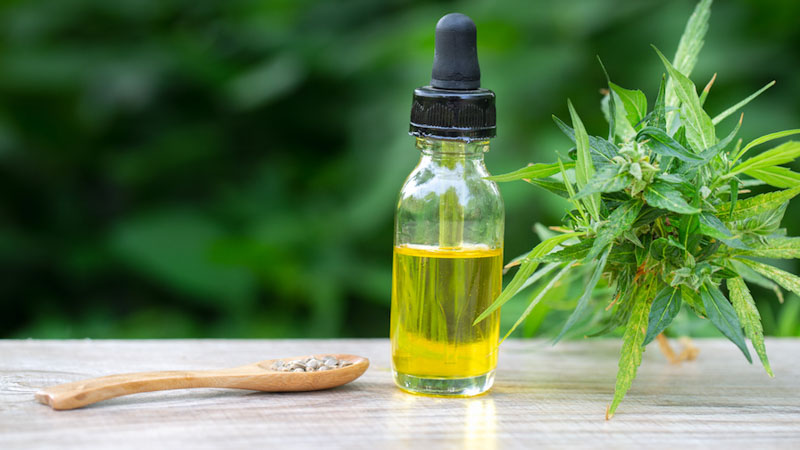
(665,196)
(535,301)
(584,169)
(634,102)
(724,114)
(632,344)
(749,317)
(779,177)
(274,135)
(753,206)
(722,315)
(711,226)
(610,179)
(526,269)
(786,280)
(782,154)
(666,225)
(665,145)
(763,139)
(691,42)
(583,302)
(618,222)
(775,247)
(532,171)
(665,307)
(699,128)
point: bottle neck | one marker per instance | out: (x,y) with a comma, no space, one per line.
(444,150)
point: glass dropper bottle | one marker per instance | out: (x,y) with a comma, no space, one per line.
(448,239)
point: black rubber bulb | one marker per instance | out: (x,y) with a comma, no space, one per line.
(455,60)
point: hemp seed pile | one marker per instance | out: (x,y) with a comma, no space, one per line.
(310,364)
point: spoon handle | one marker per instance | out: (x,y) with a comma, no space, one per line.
(85,392)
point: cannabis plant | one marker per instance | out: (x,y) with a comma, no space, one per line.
(658,209)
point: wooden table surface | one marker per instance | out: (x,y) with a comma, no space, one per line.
(544,396)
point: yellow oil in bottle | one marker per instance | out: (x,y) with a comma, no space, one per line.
(437,293)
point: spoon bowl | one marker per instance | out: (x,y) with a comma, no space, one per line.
(259,376)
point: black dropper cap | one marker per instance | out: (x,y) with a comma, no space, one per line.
(454,106)
(455,60)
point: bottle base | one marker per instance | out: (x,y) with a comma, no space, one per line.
(445,387)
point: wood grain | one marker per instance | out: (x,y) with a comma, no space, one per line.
(257,377)
(544,396)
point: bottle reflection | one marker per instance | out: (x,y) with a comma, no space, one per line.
(480,424)
(415,418)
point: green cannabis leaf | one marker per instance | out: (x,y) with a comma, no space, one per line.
(657,214)
(751,320)
(632,345)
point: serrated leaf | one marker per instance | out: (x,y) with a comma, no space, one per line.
(715,149)
(526,269)
(775,247)
(755,205)
(779,177)
(722,315)
(721,116)
(735,243)
(605,180)
(749,317)
(664,196)
(570,253)
(536,300)
(618,221)
(763,139)
(602,150)
(765,223)
(555,186)
(659,109)
(710,225)
(584,169)
(786,280)
(634,102)
(532,171)
(753,277)
(538,275)
(690,45)
(664,308)
(632,346)
(583,302)
(688,49)
(699,128)
(781,154)
(665,145)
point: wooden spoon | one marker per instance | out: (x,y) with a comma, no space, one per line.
(258,376)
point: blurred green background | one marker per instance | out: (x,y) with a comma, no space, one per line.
(189,168)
